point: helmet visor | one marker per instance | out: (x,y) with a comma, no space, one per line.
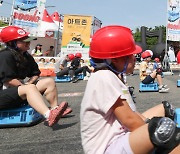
(28,39)
(137,50)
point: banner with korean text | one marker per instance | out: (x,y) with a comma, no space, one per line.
(76,35)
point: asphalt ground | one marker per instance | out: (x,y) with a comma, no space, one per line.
(64,138)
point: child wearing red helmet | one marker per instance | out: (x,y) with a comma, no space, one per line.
(110,123)
(61,66)
(148,76)
(156,64)
(16,64)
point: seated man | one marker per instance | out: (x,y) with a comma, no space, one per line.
(61,66)
(76,66)
(49,52)
(147,76)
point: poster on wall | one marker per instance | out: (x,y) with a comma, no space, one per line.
(27,14)
(76,35)
(173,25)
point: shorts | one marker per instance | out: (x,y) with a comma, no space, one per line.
(9,98)
(148,79)
(120,145)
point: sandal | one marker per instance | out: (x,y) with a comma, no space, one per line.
(67,111)
(57,113)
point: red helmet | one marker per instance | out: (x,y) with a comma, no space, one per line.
(150,51)
(157,60)
(78,55)
(112,42)
(70,56)
(145,54)
(11,33)
(178,57)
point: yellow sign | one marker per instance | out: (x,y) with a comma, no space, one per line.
(76,31)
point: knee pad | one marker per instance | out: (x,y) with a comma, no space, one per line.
(164,134)
(169,110)
(159,71)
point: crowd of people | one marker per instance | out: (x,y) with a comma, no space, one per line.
(109,121)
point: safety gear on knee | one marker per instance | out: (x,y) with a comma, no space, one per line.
(159,71)
(169,110)
(164,134)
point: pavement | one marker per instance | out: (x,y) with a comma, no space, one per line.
(64,138)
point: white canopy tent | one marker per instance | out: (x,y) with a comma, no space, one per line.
(47,34)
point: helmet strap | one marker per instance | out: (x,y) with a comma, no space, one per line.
(97,66)
(107,63)
(120,74)
(112,69)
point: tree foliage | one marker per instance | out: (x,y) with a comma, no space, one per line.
(149,40)
(2,24)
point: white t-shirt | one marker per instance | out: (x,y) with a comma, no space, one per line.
(99,126)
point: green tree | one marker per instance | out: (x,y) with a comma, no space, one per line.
(151,41)
(2,24)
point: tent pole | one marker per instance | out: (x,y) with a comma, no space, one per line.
(12,12)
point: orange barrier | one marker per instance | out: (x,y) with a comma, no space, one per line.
(47,72)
